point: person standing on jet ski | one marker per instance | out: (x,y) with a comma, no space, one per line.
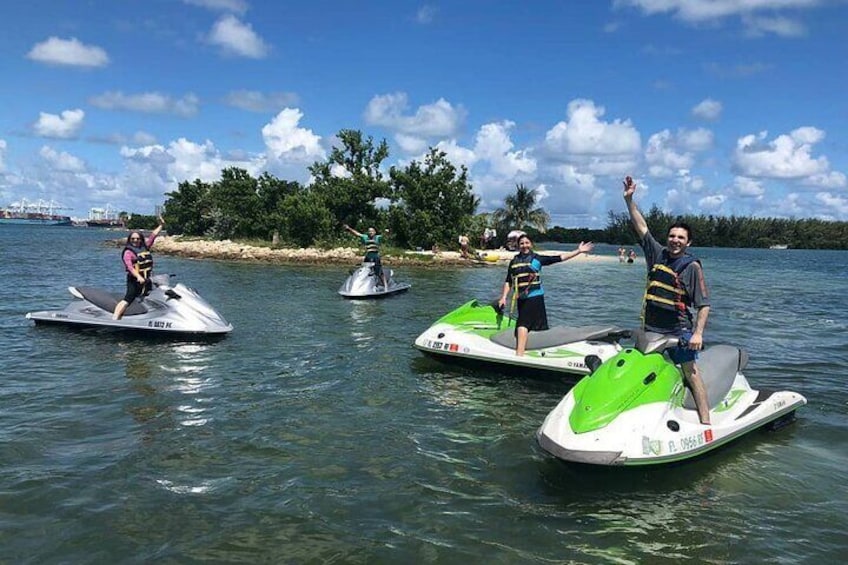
(675,287)
(372,242)
(523,277)
(138,261)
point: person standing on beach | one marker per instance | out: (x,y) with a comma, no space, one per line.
(523,277)
(372,242)
(463,246)
(138,262)
(676,286)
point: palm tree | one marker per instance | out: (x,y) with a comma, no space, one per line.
(520,210)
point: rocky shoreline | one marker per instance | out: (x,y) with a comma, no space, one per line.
(226,250)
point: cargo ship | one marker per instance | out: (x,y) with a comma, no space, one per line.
(104,218)
(34,213)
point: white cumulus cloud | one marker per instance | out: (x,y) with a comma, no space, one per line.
(61,161)
(788,156)
(493,144)
(584,133)
(285,141)
(64,126)
(71,52)
(713,11)
(237,38)
(439,119)
(707,109)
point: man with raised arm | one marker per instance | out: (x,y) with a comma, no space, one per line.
(675,288)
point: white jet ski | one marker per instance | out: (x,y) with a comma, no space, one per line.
(364,283)
(481,335)
(635,410)
(167,310)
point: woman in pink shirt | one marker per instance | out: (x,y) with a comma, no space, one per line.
(138,263)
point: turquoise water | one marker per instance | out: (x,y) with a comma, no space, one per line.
(315,432)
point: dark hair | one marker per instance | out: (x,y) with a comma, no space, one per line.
(683,225)
(523,236)
(138,233)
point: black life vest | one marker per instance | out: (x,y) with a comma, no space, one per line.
(666,302)
(524,278)
(142,259)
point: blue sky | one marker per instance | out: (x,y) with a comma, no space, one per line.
(715,106)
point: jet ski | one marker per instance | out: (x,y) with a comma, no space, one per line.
(364,283)
(481,334)
(167,309)
(634,408)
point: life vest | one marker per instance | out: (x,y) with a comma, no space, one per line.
(525,279)
(142,260)
(372,245)
(666,302)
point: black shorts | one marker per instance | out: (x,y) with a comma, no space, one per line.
(532,314)
(136,289)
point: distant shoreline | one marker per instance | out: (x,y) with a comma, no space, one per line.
(227,250)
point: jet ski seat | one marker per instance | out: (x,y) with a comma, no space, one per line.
(107,301)
(559,335)
(717,366)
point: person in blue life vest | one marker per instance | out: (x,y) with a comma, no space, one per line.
(138,263)
(675,288)
(371,241)
(523,277)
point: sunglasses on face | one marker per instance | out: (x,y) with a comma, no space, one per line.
(135,239)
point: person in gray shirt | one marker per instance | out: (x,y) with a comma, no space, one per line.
(675,288)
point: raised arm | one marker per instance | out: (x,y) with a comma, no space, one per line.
(586,247)
(159,227)
(353,231)
(636,217)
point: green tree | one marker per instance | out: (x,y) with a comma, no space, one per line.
(236,206)
(435,202)
(350,181)
(188,209)
(520,211)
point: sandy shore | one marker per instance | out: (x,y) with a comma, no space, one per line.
(234,251)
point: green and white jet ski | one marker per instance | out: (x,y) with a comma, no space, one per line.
(478,334)
(635,410)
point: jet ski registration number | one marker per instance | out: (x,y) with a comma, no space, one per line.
(155,324)
(441,346)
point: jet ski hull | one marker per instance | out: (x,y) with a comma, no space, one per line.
(167,310)
(477,334)
(660,431)
(363,283)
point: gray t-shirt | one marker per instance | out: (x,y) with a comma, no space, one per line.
(692,279)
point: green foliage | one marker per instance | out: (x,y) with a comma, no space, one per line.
(188,210)
(305,219)
(350,181)
(520,211)
(435,202)
(141,222)
(735,231)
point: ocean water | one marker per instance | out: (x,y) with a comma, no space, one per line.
(316,433)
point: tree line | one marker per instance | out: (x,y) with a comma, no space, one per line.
(426,203)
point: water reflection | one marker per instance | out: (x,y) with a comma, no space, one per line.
(363,314)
